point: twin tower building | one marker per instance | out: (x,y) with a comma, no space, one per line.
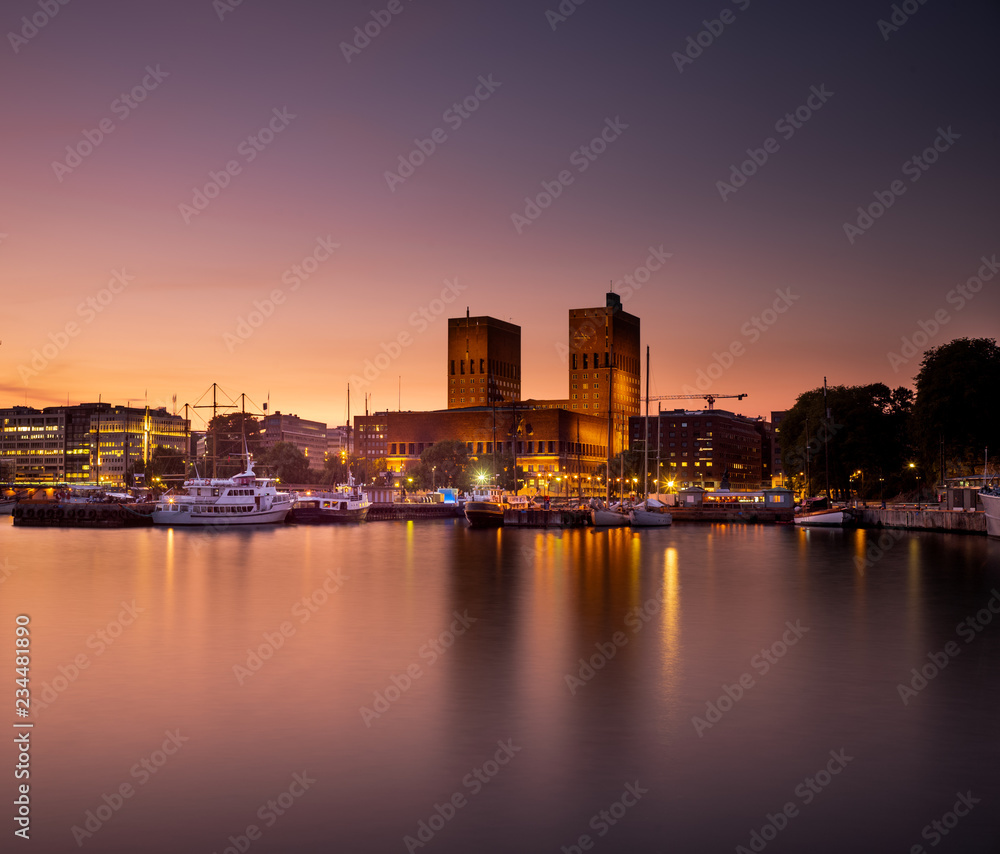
(562,443)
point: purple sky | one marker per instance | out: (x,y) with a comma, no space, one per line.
(168,166)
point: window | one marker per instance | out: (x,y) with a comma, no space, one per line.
(453,367)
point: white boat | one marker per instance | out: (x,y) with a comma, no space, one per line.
(823,519)
(640,517)
(244,499)
(990,496)
(609,519)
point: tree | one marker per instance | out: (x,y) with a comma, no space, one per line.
(334,471)
(866,437)
(449,462)
(957,405)
(162,461)
(287,462)
(225,438)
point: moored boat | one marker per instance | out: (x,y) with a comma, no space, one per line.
(243,499)
(345,504)
(484,508)
(990,496)
(640,517)
(824,519)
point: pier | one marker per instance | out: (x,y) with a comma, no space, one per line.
(926,519)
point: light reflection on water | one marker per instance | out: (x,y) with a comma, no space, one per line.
(248,645)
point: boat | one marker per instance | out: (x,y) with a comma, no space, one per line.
(824,519)
(484,508)
(243,499)
(646,515)
(607,518)
(990,496)
(346,503)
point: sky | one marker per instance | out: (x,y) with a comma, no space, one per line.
(287,198)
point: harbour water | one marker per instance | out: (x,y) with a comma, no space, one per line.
(401,686)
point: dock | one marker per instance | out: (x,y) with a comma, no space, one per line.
(74,514)
(399,511)
(565,518)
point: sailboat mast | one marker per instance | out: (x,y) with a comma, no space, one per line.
(611,406)
(826,447)
(645,457)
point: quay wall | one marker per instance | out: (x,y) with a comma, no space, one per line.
(954,521)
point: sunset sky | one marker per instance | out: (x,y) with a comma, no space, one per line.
(168,165)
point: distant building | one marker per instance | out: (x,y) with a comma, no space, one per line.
(777,470)
(554,446)
(32,444)
(604,364)
(339,442)
(122,436)
(700,448)
(310,437)
(87,443)
(484,361)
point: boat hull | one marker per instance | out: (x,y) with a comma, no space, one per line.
(609,519)
(649,519)
(484,514)
(991,504)
(827,519)
(322,516)
(175,518)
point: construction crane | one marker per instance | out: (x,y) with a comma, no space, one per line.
(711,398)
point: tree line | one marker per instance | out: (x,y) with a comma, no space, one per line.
(873,441)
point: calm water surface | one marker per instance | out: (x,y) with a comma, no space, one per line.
(401,687)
